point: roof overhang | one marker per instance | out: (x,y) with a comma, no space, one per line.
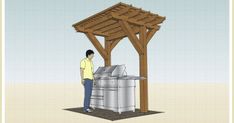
(106,23)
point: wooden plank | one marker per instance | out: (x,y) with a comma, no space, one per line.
(107,24)
(150,19)
(117,30)
(133,21)
(103,25)
(158,20)
(96,44)
(141,16)
(120,30)
(114,30)
(121,34)
(123,11)
(98,21)
(80,29)
(129,14)
(108,20)
(99,13)
(133,13)
(132,37)
(108,28)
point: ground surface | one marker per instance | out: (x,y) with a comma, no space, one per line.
(110,115)
(180,103)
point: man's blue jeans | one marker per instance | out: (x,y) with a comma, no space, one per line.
(88,85)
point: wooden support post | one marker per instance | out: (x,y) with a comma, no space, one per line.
(143,83)
(143,71)
(108,53)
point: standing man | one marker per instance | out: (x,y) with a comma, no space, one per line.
(86,73)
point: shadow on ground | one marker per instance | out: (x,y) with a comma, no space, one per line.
(110,115)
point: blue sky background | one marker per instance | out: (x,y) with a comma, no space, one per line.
(191,46)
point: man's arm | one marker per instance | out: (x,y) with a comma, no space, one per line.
(82,67)
(82,75)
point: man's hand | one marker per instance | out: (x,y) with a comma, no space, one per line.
(94,83)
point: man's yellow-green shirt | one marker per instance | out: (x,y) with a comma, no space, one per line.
(87,65)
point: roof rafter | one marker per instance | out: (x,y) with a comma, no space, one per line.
(133,21)
(106,23)
(80,29)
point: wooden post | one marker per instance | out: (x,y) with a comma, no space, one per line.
(107,60)
(143,83)
(143,71)
(141,47)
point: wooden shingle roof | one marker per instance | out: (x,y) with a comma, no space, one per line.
(105,23)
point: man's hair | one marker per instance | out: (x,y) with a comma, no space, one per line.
(89,52)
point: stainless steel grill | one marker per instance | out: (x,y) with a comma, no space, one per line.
(114,89)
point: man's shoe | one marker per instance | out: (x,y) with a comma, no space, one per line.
(92,108)
(88,110)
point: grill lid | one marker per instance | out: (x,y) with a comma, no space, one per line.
(114,70)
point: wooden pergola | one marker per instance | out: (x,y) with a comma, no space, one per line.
(117,22)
